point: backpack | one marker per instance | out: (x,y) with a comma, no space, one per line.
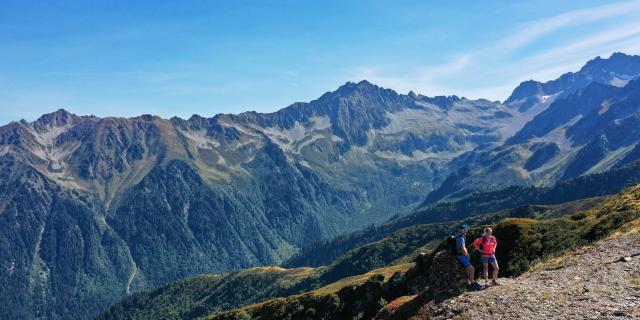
(453,245)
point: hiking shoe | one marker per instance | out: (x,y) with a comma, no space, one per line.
(476,286)
(494,283)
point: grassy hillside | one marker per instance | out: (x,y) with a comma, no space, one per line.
(203,295)
(607,183)
(524,242)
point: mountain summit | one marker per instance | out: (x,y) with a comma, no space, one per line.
(95,208)
(580,123)
(617,70)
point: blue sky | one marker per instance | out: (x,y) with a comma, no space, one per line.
(181,58)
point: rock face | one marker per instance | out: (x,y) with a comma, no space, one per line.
(447,277)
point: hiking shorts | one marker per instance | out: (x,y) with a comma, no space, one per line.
(491,259)
(465,261)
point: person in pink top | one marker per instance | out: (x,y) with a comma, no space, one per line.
(487,245)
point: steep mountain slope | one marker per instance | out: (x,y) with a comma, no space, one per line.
(525,243)
(606,183)
(95,208)
(587,125)
(202,295)
(617,70)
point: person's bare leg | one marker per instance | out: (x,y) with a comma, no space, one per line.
(471,274)
(485,272)
(496,269)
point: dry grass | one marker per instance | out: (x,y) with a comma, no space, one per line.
(326,290)
(564,260)
(520,221)
(398,302)
(545,296)
(628,229)
(359,279)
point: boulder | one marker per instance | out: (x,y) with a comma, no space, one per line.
(447,277)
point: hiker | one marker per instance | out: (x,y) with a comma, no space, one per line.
(487,245)
(463,257)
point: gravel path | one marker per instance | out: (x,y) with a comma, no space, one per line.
(591,284)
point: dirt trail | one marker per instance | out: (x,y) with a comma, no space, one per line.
(590,284)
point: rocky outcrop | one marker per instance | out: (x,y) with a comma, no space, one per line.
(447,277)
(435,278)
(394,309)
(591,283)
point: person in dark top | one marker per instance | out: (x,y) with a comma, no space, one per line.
(463,257)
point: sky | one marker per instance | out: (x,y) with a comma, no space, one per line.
(178,58)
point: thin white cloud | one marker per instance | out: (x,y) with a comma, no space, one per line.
(612,35)
(425,77)
(537,29)
(492,72)
(554,61)
(441,70)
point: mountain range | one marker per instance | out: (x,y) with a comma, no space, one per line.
(93,209)
(583,122)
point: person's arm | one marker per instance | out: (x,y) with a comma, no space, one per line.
(462,248)
(476,243)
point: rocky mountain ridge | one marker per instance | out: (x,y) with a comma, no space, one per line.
(589,128)
(95,208)
(122,204)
